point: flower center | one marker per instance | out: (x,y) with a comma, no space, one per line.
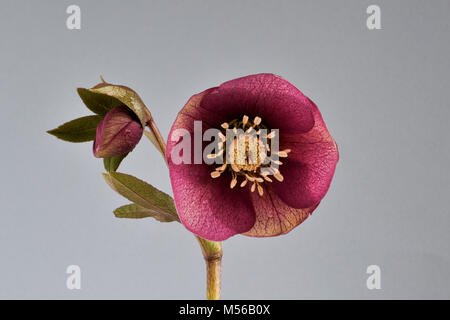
(247,155)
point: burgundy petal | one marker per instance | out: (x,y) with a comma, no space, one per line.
(207,207)
(281,105)
(273,216)
(193,110)
(310,166)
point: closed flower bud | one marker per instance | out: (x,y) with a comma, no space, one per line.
(118,133)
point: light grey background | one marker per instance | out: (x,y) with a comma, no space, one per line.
(384,96)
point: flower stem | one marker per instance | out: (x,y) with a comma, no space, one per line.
(155,135)
(212,252)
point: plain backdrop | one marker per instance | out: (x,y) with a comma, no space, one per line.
(384,95)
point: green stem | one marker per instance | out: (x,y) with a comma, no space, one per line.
(212,252)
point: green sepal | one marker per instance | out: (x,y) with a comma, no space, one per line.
(141,193)
(112,164)
(105,96)
(135,211)
(79,130)
(98,103)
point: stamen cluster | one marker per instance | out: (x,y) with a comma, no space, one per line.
(245,151)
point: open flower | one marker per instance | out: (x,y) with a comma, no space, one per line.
(118,133)
(253,198)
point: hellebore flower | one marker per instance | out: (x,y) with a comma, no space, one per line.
(218,202)
(118,133)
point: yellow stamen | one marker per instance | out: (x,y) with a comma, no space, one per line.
(215,174)
(260,190)
(284,153)
(244,120)
(233,182)
(221,168)
(278,176)
(258,179)
(247,154)
(277,162)
(214,155)
(250,178)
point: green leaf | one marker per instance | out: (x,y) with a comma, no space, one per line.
(127,96)
(112,163)
(135,211)
(141,193)
(78,130)
(104,96)
(97,102)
